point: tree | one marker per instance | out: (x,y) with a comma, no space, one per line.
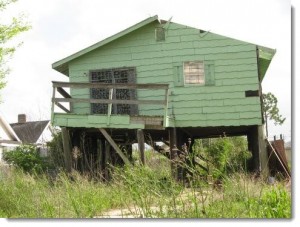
(7,33)
(271,110)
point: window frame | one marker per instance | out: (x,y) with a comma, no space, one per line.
(133,108)
(184,74)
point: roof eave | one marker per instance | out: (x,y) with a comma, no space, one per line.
(265,56)
(9,129)
(62,65)
(46,127)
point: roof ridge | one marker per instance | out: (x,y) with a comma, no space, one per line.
(29,122)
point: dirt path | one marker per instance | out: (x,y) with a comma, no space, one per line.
(137,212)
(134,212)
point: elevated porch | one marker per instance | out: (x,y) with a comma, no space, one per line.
(114,110)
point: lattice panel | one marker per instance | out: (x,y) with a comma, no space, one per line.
(111,76)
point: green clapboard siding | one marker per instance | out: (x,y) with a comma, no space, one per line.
(230,70)
(95,121)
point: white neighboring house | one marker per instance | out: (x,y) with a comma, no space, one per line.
(8,138)
(33,132)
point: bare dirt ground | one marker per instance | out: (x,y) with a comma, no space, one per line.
(122,213)
(137,212)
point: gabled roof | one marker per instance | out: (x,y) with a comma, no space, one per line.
(265,54)
(30,132)
(13,138)
(62,65)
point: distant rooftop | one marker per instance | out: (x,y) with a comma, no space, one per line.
(29,132)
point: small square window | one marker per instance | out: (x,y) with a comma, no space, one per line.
(194,72)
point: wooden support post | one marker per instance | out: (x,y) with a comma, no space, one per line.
(141,145)
(173,151)
(254,148)
(67,149)
(109,109)
(166,123)
(106,160)
(114,145)
(257,144)
(129,152)
(263,155)
(52,105)
(250,163)
(99,156)
(103,158)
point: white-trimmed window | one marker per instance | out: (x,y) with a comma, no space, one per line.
(194,72)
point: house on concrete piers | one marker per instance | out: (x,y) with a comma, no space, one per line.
(164,79)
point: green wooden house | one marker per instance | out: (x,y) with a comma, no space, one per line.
(165,79)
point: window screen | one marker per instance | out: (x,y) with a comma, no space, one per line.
(194,72)
(113,76)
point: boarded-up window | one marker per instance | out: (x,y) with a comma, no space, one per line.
(160,34)
(194,72)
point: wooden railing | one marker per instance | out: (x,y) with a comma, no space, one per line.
(66,97)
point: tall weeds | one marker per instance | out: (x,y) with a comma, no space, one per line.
(144,192)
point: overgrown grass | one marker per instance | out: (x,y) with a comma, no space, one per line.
(145,191)
(26,196)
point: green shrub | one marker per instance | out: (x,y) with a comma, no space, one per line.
(222,156)
(27,158)
(273,203)
(219,155)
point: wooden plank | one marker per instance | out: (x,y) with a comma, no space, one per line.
(52,104)
(10,142)
(115,119)
(114,145)
(240,81)
(109,105)
(166,107)
(227,49)
(67,149)
(173,151)
(110,101)
(108,86)
(62,107)
(263,155)
(141,145)
(200,90)
(63,92)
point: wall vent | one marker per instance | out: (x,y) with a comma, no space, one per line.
(251,93)
(160,34)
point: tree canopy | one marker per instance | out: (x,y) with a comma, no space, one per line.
(271,111)
(8,31)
